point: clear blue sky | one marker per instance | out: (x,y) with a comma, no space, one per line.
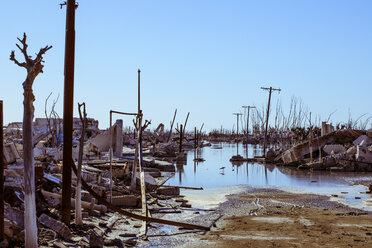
(208,57)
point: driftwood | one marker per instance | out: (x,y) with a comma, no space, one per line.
(181,187)
(136,216)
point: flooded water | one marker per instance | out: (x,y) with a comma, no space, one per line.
(218,174)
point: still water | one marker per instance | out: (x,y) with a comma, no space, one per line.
(217,173)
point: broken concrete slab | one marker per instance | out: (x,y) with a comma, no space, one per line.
(337,148)
(298,152)
(14,214)
(56,225)
(168,191)
(125,200)
(10,153)
(96,238)
(364,154)
(362,140)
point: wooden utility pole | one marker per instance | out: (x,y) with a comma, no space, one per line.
(237,131)
(249,108)
(140,114)
(68,107)
(1,172)
(267,115)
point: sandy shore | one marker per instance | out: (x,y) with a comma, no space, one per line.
(282,219)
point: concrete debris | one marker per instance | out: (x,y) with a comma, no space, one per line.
(96,238)
(158,163)
(329,149)
(10,153)
(326,128)
(55,225)
(340,150)
(168,191)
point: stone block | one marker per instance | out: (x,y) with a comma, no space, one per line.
(335,148)
(125,200)
(362,140)
(56,225)
(96,238)
(10,153)
(364,154)
(168,191)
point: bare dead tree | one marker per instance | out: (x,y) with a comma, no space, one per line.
(53,121)
(33,67)
(83,119)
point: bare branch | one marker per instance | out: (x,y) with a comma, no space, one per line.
(24,48)
(12,58)
(39,56)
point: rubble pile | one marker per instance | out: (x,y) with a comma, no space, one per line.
(99,220)
(340,150)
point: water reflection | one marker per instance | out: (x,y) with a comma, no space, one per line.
(217,171)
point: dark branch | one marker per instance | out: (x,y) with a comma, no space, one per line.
(39,57)
(24,48)
(12,58)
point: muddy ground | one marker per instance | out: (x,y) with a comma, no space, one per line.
(280,219)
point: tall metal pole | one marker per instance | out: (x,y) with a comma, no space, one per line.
(1,172)
(267,116)
(68,107)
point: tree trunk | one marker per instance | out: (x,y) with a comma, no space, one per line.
(29,170)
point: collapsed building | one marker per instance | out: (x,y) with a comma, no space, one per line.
(106,181)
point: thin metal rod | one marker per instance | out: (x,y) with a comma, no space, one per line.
(68,107)
(1,172)
(122,113)
(139,90)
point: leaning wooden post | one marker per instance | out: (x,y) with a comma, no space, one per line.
(181,138)
(170,131)
(1,172)
(68,108)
